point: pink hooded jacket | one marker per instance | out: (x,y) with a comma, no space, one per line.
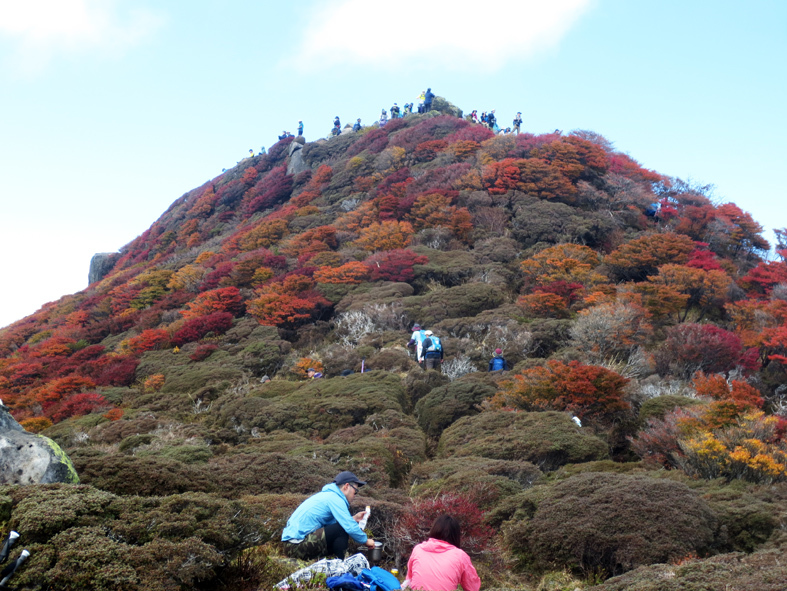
(435,565)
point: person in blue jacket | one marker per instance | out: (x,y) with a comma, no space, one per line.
(498,362)
(322,525)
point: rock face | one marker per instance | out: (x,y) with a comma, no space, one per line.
(296,164)
(26,458)
(100,265)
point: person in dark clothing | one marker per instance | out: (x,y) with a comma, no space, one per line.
(428,97)
(517,123)
(490,119)
(395,111)
(357,125)
(498,363)
(337,126)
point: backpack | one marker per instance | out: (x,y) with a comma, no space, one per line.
(379,579)
(436,346)
(498,363)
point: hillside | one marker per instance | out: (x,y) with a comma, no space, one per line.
(663,330)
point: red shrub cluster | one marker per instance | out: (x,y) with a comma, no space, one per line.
(224,299)
(274,188)
(196,328)
(394,265)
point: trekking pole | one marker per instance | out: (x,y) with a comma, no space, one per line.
(9,571)
(10,540)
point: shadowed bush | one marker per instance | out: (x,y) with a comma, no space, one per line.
(82,538)
(547,439)
(609,523)
(485,481)
(761,571)
(442,406)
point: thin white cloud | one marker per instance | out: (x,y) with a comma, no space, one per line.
(454,34)
(36,31)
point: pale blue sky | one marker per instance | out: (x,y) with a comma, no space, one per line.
(112,109)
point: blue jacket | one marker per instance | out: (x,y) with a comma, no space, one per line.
(324,508)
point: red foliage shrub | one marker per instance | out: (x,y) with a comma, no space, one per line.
(628,167)
(689,348)
(148,340)
(213,279)
(78,405)
(224,299)
(196,328)
(431,129)
(394,265)
(203,351)
(115,370)
(413,528)
(702,258)
(426,151)
(275,187)
(470,133)
(375,141)
(570,292)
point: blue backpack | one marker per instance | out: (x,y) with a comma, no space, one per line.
(379,579)
(498,363)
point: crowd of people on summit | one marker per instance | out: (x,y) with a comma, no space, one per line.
(423,104)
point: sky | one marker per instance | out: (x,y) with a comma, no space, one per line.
(112,109)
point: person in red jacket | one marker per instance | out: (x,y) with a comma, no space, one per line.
(439,564)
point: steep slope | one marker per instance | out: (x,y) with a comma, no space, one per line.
(548,247)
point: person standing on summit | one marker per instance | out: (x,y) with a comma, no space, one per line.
(428,100)
(300,128)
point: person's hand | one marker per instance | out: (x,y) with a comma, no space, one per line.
(358,516)
(370,543)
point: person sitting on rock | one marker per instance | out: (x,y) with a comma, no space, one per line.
(433,351)
(357,125)
(383,118)
(408,108)
(322,524)
(498,363)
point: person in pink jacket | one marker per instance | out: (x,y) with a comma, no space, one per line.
(439,564)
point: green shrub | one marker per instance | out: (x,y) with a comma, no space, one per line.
(419,383)
(483,480)
(761,571)
(656,408)
(82,538)
(610,523)
(547,439)
(453,302)
(317,407)
(444,405)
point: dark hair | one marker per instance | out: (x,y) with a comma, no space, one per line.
(446,528)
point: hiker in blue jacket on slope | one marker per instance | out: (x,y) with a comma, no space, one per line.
(322,524)
(497,362)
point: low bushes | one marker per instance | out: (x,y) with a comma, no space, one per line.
(83,538)
(547,439)
(442,406)
(609,523)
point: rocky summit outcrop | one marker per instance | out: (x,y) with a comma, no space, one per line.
(100,265)
(26,458)
(296,163)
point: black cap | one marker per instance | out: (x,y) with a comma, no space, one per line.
(345,477)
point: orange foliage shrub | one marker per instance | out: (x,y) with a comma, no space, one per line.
(303,364)
(36,424)
(571,263)
(585,390)
(263,235)
(114,415)
(154,383)
(352,272)
(641,257)
(385,236)
(224,299)
(148,340)
(543,305)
